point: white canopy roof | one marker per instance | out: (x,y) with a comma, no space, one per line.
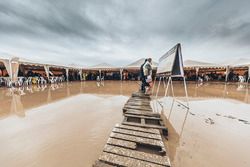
(240,62)
(137,64)
(200,64)
(103,66)
(25,61)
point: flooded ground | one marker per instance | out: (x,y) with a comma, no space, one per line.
(68,124)
(215,131)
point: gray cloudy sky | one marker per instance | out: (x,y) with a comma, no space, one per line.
(88,32)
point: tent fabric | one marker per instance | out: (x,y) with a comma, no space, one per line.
(80,73)
(103,67)
(67,73)
(227,73)
(241,62)
(248,73)
(14,70)
(7,65)
(200,64)
(121,70)
(137,64)
(46,68)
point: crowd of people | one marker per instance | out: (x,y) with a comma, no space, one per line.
(233,76)
(31,77)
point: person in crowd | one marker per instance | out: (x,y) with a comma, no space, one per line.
(147,71)
(142,77)
(246,75)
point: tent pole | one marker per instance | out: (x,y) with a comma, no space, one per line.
(248,74)
(166,90)
(185,87)
(153,85)
(197,73)
(100,74)
(156,94)
(10,75)
(121,70)
(157,91)
(227,73)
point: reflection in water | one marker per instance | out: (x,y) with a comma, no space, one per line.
(203,136)
(206,134)
(17,100)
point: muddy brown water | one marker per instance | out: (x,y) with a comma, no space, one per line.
(67,125)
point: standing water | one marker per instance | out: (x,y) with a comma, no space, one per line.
(68,124)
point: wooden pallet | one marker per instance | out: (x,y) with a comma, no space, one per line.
(137,141)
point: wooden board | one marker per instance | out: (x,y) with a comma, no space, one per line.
(121,143)
(139,140)
(137,134)
(143,113)
(138,103)
(152,158)
(141,116)
(118,160)
(102,164)
(144,125)
(141,95)
(139,99)
(145,130)
(142,108)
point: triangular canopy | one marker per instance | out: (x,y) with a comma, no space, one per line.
(137,64)
(241,62)
(103,66)
(199,64)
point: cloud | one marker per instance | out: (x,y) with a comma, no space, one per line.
(118,32)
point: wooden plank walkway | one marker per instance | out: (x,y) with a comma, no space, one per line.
(137,141)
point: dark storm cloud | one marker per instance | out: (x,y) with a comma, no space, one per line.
(89,32)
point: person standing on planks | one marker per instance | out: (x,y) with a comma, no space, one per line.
(147,71)
(143,78)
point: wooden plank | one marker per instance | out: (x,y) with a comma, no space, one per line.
(102,164)
(121,143)
(144,113)
(152,158)
(137,104)
(125,161)
(137,142)
(145,130)
(138,99)
(143,125)
(140,140)
(132,102)
(132,109)
(141,116)
(126,107)
(136,133)
(140,95)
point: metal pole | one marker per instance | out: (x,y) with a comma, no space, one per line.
(166,90)
(185,87)
(157,91)
(153,85)
(156,95)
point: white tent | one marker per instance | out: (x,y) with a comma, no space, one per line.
(7,64)
(241,62)
(137,64)
(197,65)
(200,64)
(12,66)
(77,67)
(104,67)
